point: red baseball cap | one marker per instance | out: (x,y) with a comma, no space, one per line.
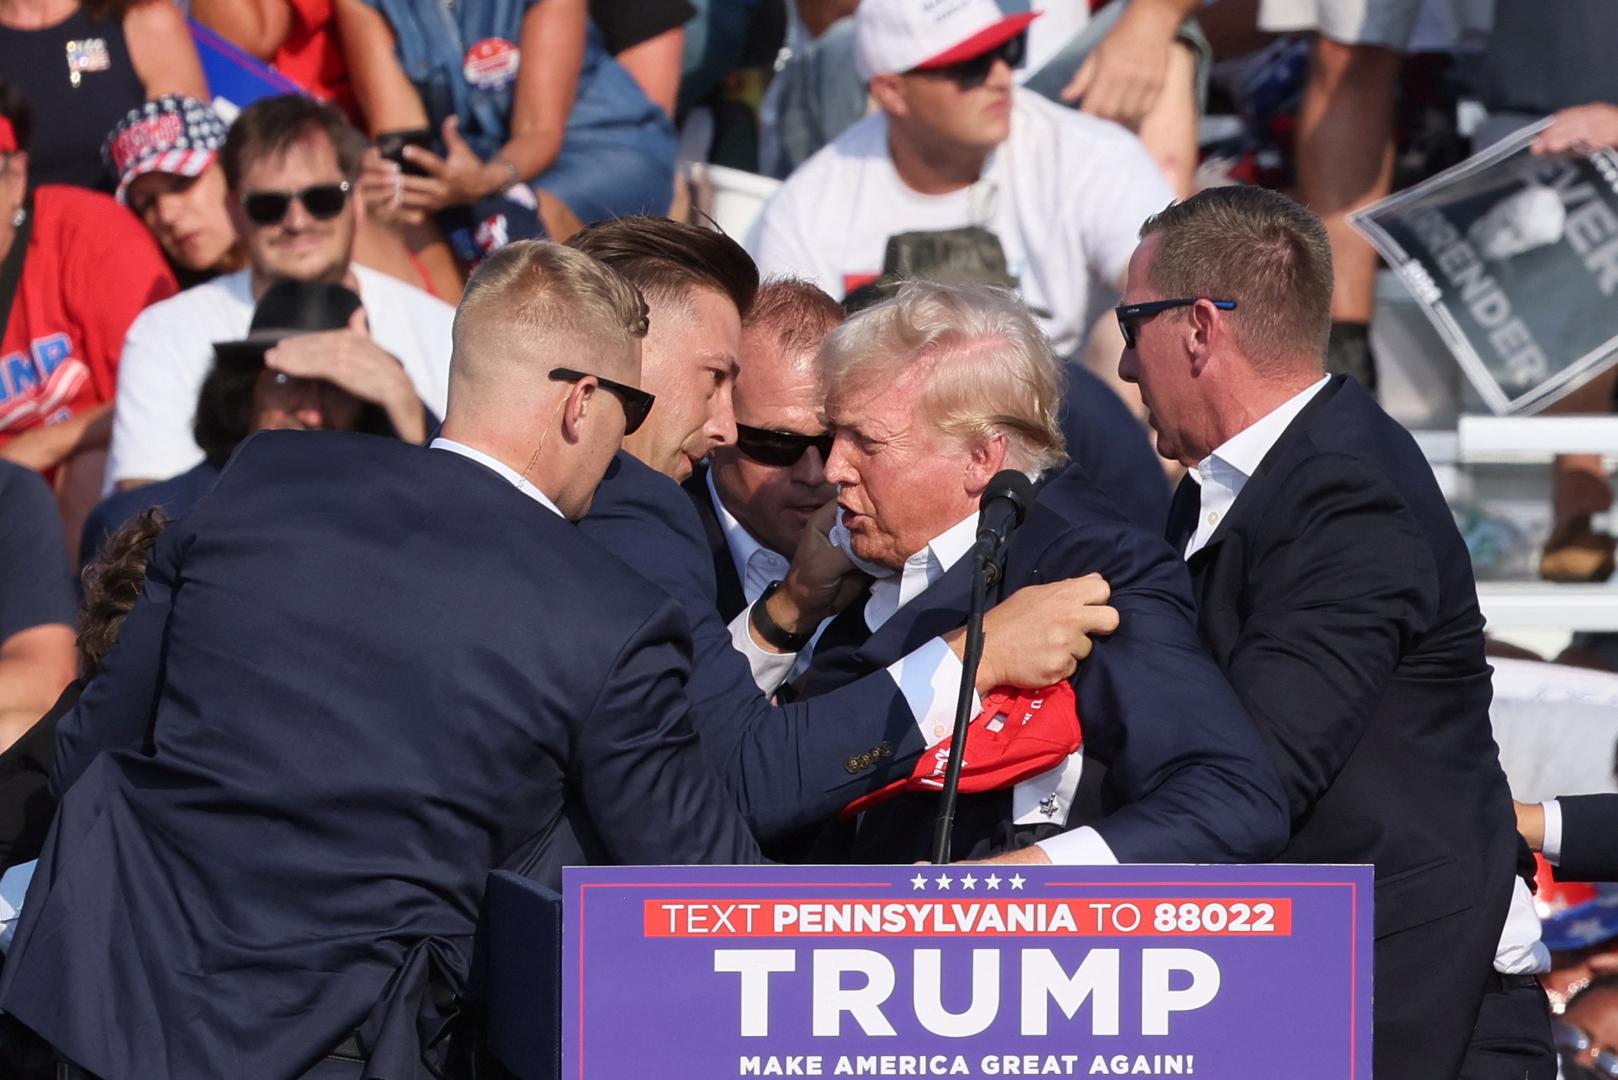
(1018,734)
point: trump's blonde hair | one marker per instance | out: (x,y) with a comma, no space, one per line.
(988,369)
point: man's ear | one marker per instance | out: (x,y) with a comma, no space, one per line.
(578,404)
(988,457)
(1203,328)
(888,90)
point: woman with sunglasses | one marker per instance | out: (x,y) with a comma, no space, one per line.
(513,95)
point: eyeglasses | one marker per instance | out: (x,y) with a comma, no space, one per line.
(974,72)
(636,402)
(1574,1041)
(1130,314)
(779,448)
(323,201)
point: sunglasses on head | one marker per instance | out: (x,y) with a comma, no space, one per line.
(637,403)
(1131,314)
(779,448)
(1591,1058)
(974,72)
(323,201)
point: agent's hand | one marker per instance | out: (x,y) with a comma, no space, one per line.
(1038,635)
(1123,76)
(1579,130)
(821,581)
(1531,823)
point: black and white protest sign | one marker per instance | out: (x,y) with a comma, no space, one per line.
(1515,259)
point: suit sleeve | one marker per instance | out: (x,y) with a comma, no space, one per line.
(785,766)
(1188,771)
(1589,838)
(648,789)
(1338,592)
(119,705)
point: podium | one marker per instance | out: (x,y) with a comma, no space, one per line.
(1222,972)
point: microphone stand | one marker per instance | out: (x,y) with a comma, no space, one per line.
(985,572)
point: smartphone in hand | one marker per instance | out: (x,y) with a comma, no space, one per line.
(391,145)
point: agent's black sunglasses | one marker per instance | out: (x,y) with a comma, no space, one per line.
(779,448)
(637,403)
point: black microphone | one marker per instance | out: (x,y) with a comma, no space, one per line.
(1005,503)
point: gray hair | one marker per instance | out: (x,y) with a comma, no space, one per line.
(990,368)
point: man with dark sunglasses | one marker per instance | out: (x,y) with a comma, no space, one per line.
(289,165)
(955,143)
(756,497)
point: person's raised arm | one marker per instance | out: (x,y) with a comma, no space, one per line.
(257,27)
(161,50)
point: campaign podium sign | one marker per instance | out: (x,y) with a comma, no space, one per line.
(1217,972)
(1514,258)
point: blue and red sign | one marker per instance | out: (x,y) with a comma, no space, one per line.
(1224,972)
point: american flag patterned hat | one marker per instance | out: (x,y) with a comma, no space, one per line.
(172,134)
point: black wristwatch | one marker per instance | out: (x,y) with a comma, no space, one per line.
(774,635)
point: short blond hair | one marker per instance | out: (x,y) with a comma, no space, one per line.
(989,369)
(534,291)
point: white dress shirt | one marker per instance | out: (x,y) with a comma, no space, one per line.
(1222,475)
(933,674)
(757,566)
(517,480)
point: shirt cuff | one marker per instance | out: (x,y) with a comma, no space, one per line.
(770,669)
(930,680)
(1078,847)
(1551,846)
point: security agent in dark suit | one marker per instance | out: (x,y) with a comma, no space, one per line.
(931,394)
(1335,591)
(363,675)
(792,765)
(1578,835)
(755,497)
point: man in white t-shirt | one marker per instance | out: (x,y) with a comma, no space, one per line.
(957,144)
(290,164)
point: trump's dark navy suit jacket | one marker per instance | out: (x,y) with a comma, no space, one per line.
(362,675)
(1188,778)
(1338,596)
(787,766)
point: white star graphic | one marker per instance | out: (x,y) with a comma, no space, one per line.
(1608,900)
(992,881)
(918,882)
(1587,930)
(943,881)
(968,882)
(1016,881)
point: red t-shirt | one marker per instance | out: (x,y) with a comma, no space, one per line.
(91,268)
(312,57)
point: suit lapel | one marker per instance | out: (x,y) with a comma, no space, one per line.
(732,600)
(1252,496)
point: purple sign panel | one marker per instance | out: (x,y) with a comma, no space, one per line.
(1222,972)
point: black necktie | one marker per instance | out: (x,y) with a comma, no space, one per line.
(1183,514)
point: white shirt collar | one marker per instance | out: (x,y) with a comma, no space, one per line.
(756,565)
(517,480)
(920,572)
(1224,472)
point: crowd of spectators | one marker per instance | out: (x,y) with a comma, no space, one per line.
(178,273)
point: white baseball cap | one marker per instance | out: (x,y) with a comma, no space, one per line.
(895,36)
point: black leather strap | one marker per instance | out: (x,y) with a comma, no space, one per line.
(774,635)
